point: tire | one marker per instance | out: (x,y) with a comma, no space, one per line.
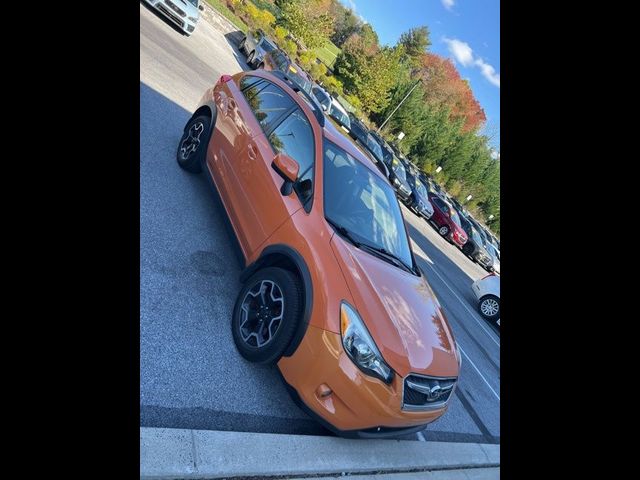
(467,249)
(250,329)
(250,58)
(242,44)
(444,230)
(193,144)
(486,303)
(261,65)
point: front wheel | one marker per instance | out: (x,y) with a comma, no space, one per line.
(266,314)
(193,144)
(490,307)
(443,230)
(250,58)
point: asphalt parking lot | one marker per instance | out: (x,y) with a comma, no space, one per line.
(190,373)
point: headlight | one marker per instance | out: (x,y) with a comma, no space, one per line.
(360,347)
(194,20)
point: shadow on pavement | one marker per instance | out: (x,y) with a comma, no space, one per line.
(234,39)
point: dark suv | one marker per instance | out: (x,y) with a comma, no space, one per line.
(474,248)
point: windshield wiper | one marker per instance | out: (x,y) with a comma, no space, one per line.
(345,233)
(385,254)
(377,251)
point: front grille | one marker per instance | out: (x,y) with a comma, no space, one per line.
(171,15)
(176,9)
(426,393)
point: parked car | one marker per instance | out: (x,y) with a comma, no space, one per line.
(419,199)
(332,107)
(398,178)
(487,292)
(327,255)
(183,13)
(277,60)
(447,221)
(255,45)
(495,254)
(360,133)
(475,248)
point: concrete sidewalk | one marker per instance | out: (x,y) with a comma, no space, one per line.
(185,454)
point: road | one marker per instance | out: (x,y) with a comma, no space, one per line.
(190,373)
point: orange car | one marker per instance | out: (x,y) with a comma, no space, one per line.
(331,290)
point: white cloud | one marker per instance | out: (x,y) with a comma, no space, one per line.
(463,54)
(488,72)
(461,51)
(448,4)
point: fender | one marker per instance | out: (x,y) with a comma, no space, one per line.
(273,255)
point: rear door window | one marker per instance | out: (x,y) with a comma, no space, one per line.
(268,103)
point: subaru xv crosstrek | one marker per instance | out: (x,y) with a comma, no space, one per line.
(331,292)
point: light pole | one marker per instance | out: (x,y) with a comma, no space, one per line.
(394,110)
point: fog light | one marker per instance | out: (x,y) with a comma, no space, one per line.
(323,391)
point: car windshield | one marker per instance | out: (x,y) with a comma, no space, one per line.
(374,146)
(398,169)
(420,188)
(357,199)
(295,75)
(268,47)
(340,116)
(454,216)
(476,236)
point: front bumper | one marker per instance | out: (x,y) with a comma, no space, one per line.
(176,18)
(359,405)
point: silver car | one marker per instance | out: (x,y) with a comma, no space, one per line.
(183,13)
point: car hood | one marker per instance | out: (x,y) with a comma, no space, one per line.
(400,311)
(187,7)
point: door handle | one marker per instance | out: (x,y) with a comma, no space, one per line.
(251,152)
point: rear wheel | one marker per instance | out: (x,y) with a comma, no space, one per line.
(193,144)
(266,314)
(250,58)
(444,230)
(490,307)
(242,45)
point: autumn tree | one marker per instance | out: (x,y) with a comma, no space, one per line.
(308,20)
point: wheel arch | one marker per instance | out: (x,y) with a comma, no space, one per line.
(209,109)
(288,258)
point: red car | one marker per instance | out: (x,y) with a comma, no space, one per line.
(447,221)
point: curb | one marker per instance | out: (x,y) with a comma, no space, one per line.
(167,453)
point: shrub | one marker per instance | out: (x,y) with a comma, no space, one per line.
(290,47)
(281,33)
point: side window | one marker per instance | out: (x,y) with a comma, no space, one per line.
(268,103)
(294,137)
(248,81)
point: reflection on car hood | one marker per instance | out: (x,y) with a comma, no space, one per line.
(400,311)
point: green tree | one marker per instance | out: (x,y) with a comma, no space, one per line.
(306,21)
(416,41)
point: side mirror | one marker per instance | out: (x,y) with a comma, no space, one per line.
(288,169)
(201,8)
(324,107)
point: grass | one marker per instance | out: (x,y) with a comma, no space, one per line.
(328,54)
(221,6)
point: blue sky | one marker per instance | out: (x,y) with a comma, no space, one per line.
(467,31)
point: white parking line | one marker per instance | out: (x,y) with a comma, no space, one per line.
(464,304)
(421,437)
(479,373)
